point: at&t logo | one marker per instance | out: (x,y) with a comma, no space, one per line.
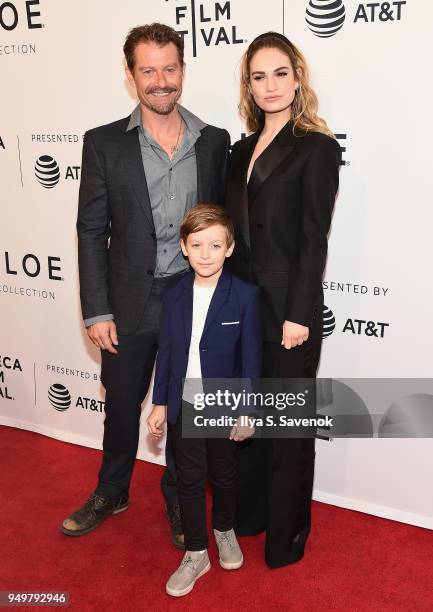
(368,328)
(328,322)
(207,23)
(59,397)
(325,17)
(372,329)
(47,172)
(379,11)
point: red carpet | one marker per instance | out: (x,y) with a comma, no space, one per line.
(354,562)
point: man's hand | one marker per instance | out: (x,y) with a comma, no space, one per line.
(156,420)
(294,334)
(104,335)
(242,432)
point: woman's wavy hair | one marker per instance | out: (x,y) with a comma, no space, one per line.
(305,103)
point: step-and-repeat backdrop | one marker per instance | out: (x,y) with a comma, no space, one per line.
(61,70)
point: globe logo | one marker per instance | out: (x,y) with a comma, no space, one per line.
(59,397)
(325,17)
(47,171)
(328,322)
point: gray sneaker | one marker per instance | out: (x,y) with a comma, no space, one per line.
(230,553)
(194,564)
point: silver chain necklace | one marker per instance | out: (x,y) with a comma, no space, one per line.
(175,148)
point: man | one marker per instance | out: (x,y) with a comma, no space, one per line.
(139,177)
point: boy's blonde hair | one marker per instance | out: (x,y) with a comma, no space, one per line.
(202,216)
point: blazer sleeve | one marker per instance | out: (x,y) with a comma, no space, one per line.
(162,367)
(251,340)
(319,188)
(93,227)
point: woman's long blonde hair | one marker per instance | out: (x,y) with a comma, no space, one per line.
(305,103)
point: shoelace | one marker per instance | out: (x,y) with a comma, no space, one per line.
(88,509)
(190,562)
(227,536)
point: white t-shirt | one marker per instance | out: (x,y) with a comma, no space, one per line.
(201,301)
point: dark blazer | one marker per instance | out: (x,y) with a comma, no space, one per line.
(226,351)
(116,234)
(282,219)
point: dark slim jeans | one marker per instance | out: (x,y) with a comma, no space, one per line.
(198,459)
(126,378)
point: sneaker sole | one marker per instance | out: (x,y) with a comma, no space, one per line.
(80,532)
(190,587)
(232,566)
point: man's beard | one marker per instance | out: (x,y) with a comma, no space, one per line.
(165,107)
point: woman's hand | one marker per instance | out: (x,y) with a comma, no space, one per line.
(242,431)
(156,420)
(294,334)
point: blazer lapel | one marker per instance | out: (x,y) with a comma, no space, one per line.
(240,202)
(187,304)
(133,162)
(220,295)
(200,155)
(271,158)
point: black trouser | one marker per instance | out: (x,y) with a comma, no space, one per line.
(276,475)
(126,378)
(198,459)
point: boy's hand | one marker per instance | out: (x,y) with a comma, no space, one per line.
(242,432)
(156,420)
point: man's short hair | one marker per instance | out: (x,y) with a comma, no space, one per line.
(202,216)
(158,33)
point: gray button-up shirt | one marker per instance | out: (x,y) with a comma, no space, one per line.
(172,185)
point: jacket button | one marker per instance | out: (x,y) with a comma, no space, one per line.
(150,272)
(203,350)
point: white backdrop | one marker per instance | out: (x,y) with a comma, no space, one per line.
(66,76)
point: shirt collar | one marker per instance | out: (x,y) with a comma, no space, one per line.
(135,119)
(194,124)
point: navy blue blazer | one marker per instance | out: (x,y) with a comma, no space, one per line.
(226,351)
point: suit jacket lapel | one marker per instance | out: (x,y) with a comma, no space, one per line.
(220,295)
(202,169)
(271,158)
(240,203)
(133,162)
(187,304)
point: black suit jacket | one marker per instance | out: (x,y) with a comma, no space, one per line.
(116,234)
(282,219)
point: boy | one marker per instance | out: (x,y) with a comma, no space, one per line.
(210,328)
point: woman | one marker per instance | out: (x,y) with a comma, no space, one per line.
(282,185)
